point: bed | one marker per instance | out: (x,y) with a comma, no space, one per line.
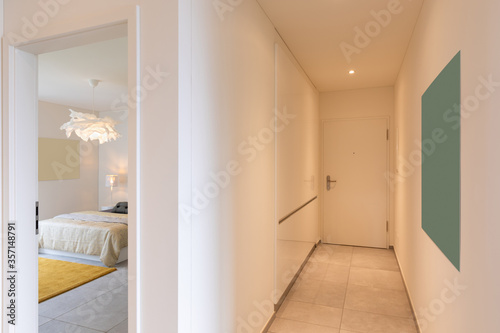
(89,234)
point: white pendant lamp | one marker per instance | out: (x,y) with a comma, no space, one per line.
(88,126)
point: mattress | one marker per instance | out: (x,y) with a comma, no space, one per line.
(87,233)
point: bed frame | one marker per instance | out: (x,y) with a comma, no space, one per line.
(123,254)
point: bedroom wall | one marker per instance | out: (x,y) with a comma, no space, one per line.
(445,299)
(113,160)
(72,195)
(364,103)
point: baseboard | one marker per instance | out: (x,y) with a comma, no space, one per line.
(408,294)
(290,285)
(295,277)
(269,323)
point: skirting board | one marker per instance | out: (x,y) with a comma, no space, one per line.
(122,257)
(419,330)
(290,285)
(296,276)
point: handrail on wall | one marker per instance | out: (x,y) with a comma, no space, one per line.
(295,211)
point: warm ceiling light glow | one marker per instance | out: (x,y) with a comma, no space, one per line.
(352,71)
(88,126)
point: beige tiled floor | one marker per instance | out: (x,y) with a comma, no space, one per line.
(98,306)
(345,289)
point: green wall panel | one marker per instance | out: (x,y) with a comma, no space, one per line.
(441,161)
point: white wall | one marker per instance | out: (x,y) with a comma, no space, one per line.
(233,233)
(159,136)
(113,160)
(444,28)
(364,103)
(297,167)
(72,195)
(234,215)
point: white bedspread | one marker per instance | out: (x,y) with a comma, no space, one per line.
(69,233)
(91,216)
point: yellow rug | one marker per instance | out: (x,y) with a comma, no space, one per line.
(56,277)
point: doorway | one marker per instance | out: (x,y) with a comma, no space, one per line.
(355,193)
(21,173)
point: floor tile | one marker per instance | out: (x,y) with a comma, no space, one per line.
(361,285)
(367,260)
(333,254)
(42,320)
(375,323)
(331,294)
(106,283)
(63,303)
(55,326)
(304,291)
(337,273)
(89,301)
(291,326)
(314,271)
(373,251)
(120,328)
(102,313)
(376,278)
(313,314)
(376,300)
(340,258)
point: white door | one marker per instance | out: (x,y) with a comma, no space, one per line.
(22,177)
(355,159)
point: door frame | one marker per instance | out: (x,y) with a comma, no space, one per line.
(322,171)
(103,26)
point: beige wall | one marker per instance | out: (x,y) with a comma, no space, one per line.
(71,195)
(233,232)
(364,103)
(297,170)
(234,220)
(444,28)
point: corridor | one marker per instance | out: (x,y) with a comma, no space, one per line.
(344,289)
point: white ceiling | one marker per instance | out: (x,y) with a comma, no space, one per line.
(63,75)
(315,29)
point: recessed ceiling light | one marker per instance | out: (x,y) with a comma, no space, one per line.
(352,71)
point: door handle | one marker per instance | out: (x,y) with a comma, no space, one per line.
(36,218)
(328,182)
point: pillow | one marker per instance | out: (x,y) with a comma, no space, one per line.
(120,208)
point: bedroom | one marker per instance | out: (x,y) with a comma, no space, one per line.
(78,176)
